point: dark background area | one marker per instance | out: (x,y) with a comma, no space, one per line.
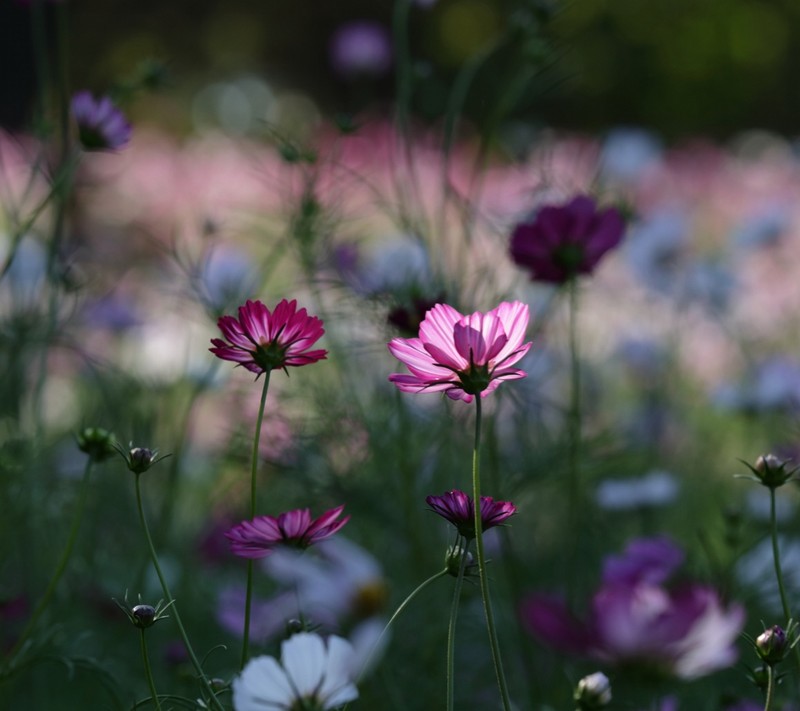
(677,67)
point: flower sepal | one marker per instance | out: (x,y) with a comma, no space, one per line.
(142,615)
(770,471)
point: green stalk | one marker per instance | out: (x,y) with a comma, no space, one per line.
(62,563)
(451,627)
(770,687)
(253,477)
(575,514)
(484,580)
(148,672)
(773,521)
(168,596)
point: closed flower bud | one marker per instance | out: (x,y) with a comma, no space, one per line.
(96,442)
(593,692)
(452,560)
(143,616)
(772,645)
(140,459)
(771,471)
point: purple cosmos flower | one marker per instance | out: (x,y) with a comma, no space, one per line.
(684,631)
(563,241)
(101,125)
(259,537)
(262,340)
(457,507)
(463,356)
(361,48)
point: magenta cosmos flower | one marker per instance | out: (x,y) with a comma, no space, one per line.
(101,125)
(262,340)
(259,537)
(456,507)
(638,620)
(463,356)
(563,241)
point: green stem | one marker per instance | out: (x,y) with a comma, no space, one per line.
(776,554)
(451,628)
(62,563)
(770,687)
(148,672)
(484,580)
(575,514)
(253,477)
(168,596)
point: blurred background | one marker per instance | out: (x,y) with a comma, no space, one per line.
(675,66)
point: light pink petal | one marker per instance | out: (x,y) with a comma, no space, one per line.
(437,329)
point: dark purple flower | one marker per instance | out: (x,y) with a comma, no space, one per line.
(262,340)
(101,125)
(563,241)
(645,560)
(635,620)
(361,48)
(457,508)
(259,537)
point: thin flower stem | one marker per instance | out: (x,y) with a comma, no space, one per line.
(62,563)
(253,479)
(770,687)
(148,672)
(574,441)
(168,596)
(484,580)
(773,521)
(451,628)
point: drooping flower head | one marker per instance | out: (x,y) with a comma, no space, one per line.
(259,537)
(563,241)
(460,355)
(313,673)
(457,508)
(262,340)
(101,125)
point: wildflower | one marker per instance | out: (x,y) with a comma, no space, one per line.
(456,507)
(637,620)
(772,645)
(101,125)
(96,442)
(142,615)
(460,355)
(563,241)
(313,674)
(261,340)
(593,692)
(140,459)
(259,537)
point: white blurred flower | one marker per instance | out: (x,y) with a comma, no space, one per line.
(773,385)
(313,673)
(627,153)
(399,263)
(656,488)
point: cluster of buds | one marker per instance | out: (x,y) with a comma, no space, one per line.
(98,443)
(771,471)
(593,692)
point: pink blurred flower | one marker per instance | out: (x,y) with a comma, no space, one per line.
(261,340)
(101,125)
(259,537)
(456,507)
(635,620)
(563,241)
(463,356)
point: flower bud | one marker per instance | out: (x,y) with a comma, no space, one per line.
(452,560)
(96,442)
(772,472)
(143,616)
(593,692)
(140,459)
(772,645)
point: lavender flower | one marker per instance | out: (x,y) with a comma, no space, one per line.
(101,125)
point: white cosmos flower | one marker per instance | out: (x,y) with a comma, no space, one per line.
(313,673)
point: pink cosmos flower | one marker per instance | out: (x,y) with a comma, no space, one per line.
(457,507)
(101,125)
(460,355)
(262,340)
(563,241)
(683,631)
(259,537)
